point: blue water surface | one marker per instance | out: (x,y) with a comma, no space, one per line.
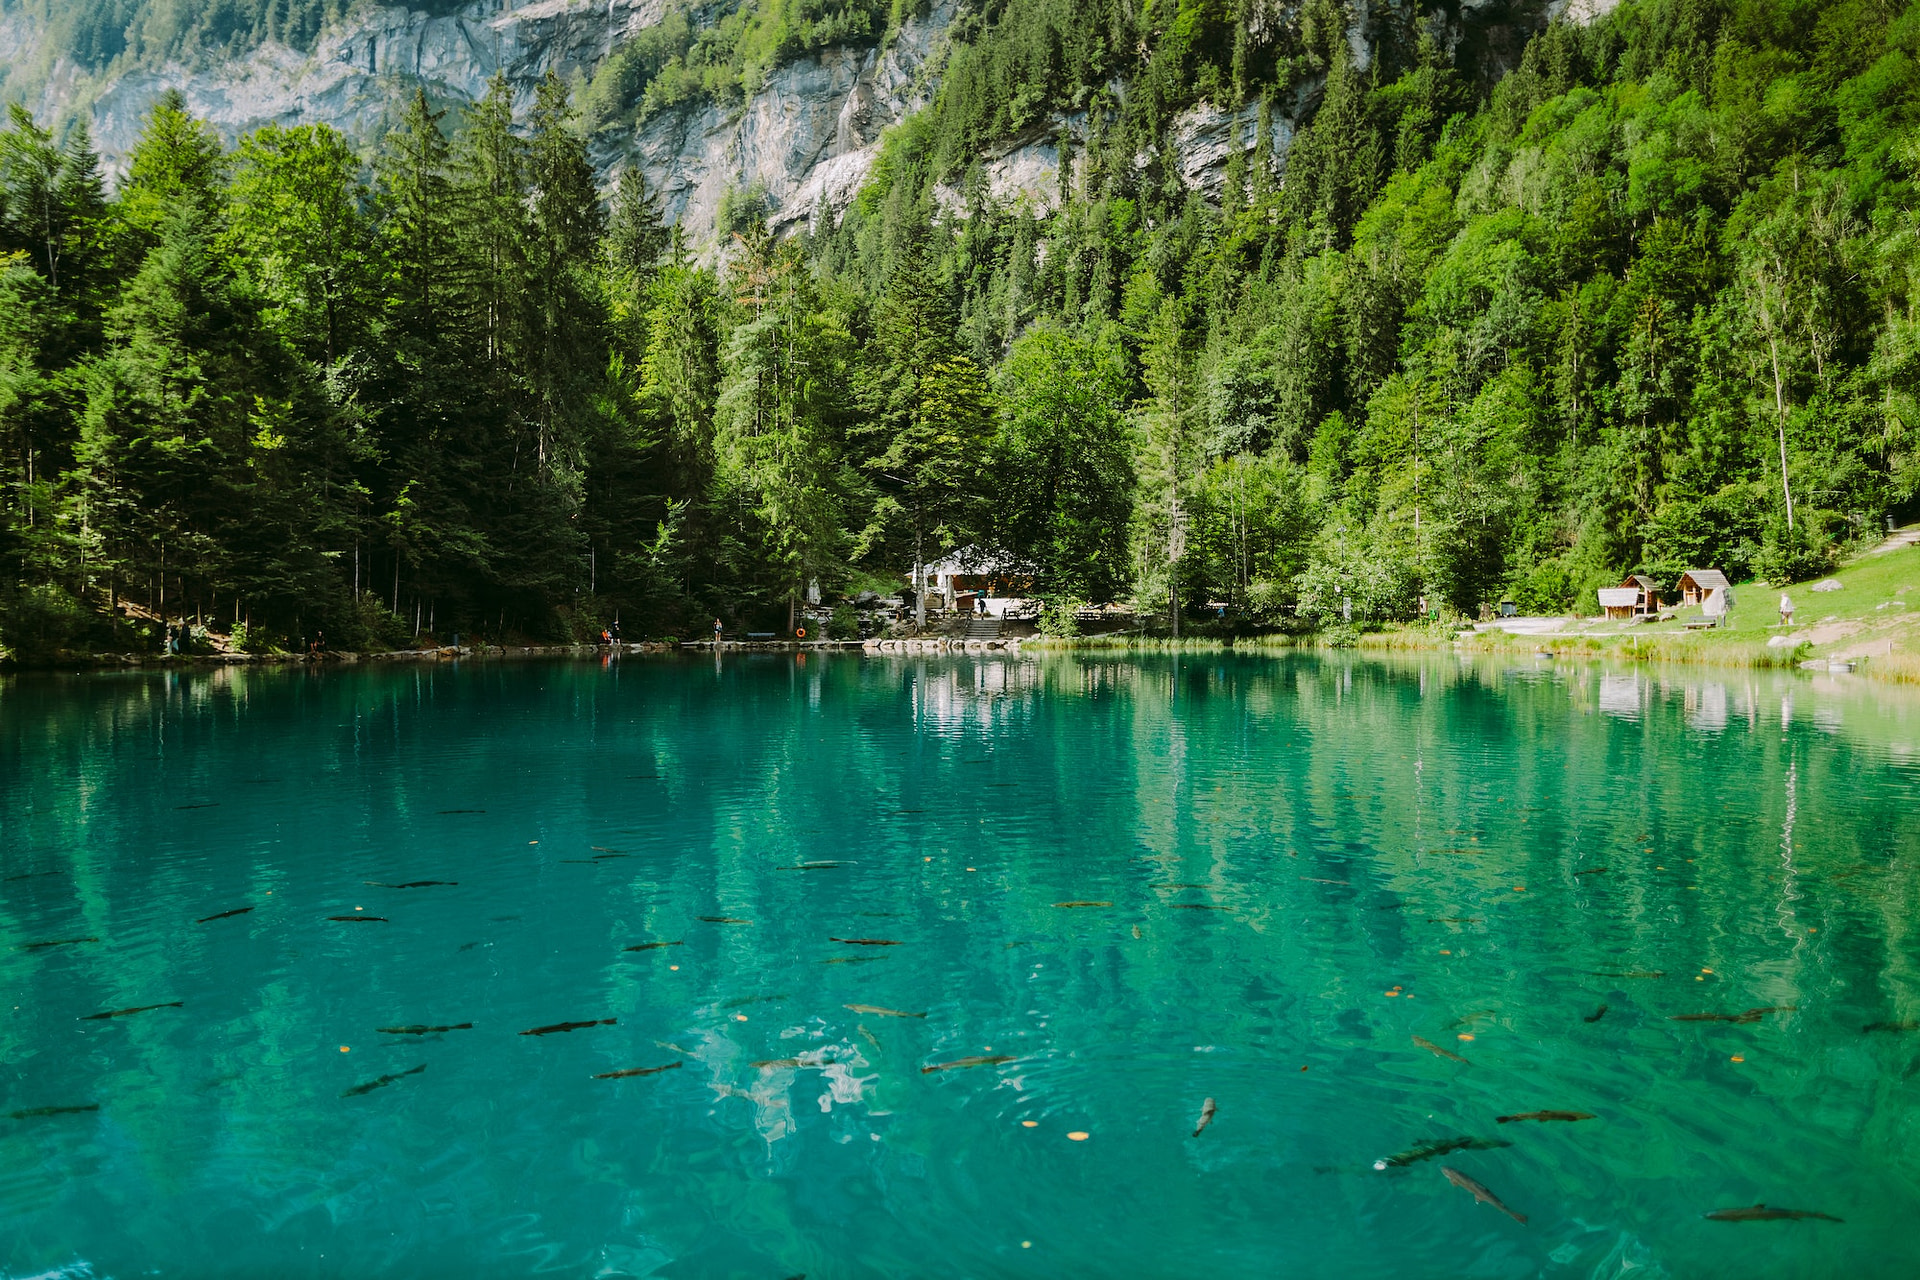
(1287,874)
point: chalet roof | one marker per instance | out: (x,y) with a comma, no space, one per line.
(1619,597)
(1641,581)
(976,560)
(1706,579)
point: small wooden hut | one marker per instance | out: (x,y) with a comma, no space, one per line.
(1637,597)
(1697,584)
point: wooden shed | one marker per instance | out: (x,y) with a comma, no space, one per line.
(1697,584)
(1637,597)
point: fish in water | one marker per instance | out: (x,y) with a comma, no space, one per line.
(1750,1015)
(725,920)
(1907,1025)
(1437,1147)
(56,942)
(988,1060)
(1545,1115)
(1206,1117)
(1195,906)
(222,915)
(1436,1050)
(1468,1019)
(797,1064)
(812,866)
(853,960)
(411,884)
(879,1011)
(211,804)
(867,942)
(1763,1213)
(30,875)
(1314,880)
(653,946)
(1627,973)
(1596,1015)
(32,1113)
(381,1082)
(1479,1192)
(1078,903)
(1592,871)
(570,1026)
(419,1030)
(638,1071)
(138,1008)
(868,1037)
(602,857)
(359,919)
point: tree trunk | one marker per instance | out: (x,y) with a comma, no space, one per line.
(1780,408)
(919,584)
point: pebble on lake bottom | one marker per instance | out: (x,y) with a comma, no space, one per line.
(1078,1135)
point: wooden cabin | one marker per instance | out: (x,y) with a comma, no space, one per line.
(1637,597)
(1707,588)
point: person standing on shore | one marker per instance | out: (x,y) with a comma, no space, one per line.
(716,631)
(1786,609)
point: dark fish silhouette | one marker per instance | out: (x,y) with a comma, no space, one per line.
(602,857)
(853,960)
(381,1082)
(882,1012)
(1479,1192)
(1750,1015)
(411,884)
(381,919)
(30,875)
(638,1071)
(1082,904)
(1907,1025)
(211,804)
(222,915)
(138,1008)
(32,1113)
(1592,871)
(1596,1015)
(1316,880)
(990,1060)
(812,866)
(570,1026)
(1545,1115)
(447,811)
(56,942)
(1437,1147)
(1436,1050)
(1206,1117)
(1762,1213)
(797,1064)
(867,942)
(653,946)
(724,920)
(418,1030)
(1195,906)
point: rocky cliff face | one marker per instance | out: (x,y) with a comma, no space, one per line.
(805,142)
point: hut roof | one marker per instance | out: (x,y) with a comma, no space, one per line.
(1619,597)
(976,560)
(1641,581)
(1706,579)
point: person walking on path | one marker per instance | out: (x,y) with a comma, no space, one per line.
(1786,610)
(716,631)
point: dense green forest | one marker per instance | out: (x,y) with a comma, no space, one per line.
(1645,301)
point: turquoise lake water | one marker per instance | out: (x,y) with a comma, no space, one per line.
(1309,863)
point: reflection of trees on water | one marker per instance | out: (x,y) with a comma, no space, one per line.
(1333,806)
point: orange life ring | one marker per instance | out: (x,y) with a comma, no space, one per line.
(801,632)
